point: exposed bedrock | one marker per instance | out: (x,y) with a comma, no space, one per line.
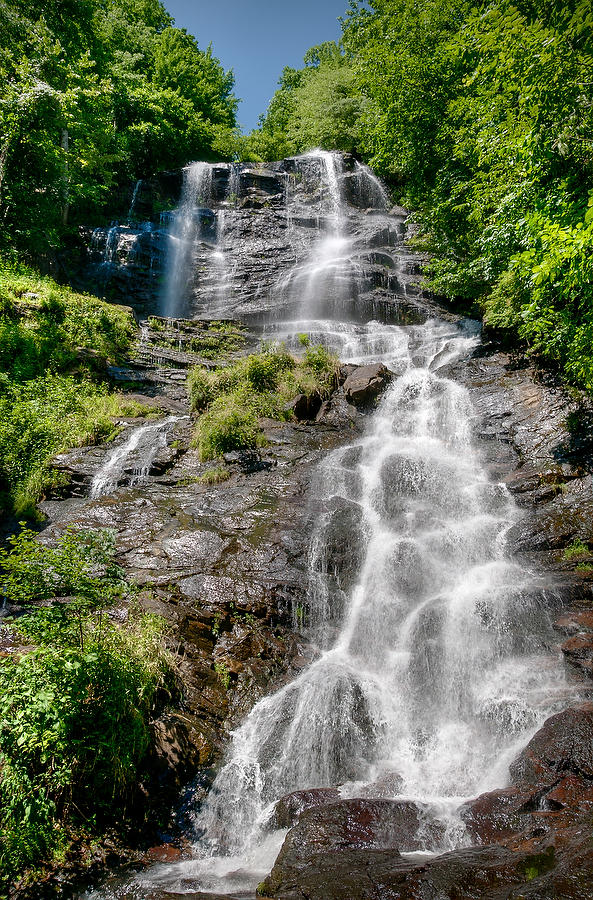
(240,568)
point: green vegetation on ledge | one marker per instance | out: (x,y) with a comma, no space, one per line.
(232,398)
(53,343)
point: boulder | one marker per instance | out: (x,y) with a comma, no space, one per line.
(563,746)
(305,406)
(337,412)
(475,873)
(289,808)
(365,383)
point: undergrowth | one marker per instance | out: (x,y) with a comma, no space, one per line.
(75,697)
(52,396)
(231,399)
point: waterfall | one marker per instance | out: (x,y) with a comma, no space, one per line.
(184,231)
(371,192)
(139,452)
(434,665)
(137,189)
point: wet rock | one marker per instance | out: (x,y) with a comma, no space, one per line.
(496,815)
(563,746)
(181,745)
(289,808)
(578,650)
(248,461)
(574,621)
(365,383)
(344,541)
(352,825)
(338,413)
(305,406)
(388,784)
(487,873)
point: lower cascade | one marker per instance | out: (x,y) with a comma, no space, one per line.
(433,665)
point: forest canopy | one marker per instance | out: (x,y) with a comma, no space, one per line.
(96,93)
(480,117)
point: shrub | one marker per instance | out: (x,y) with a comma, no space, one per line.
(575,550)
(228,425)
(75,705)
(261,384)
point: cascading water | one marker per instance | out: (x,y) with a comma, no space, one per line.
(184,231)
(135,193)
(434,665)
(137,453)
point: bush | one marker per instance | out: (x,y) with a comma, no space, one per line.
(44,407)
(228,425)
(74,709)
(45,416)
(261,384)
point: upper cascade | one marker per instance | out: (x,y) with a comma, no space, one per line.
(233,231)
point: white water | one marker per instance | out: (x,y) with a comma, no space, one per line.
(433,663)
(141,448)
(137,188)
(184,232)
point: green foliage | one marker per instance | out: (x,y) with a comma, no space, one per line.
(49,400)
(74,710)
(215,476)
(227,425)
(95,93)
(232,398)
(317,106)
(81,564)
(576,550)
(224,675)
(480,117)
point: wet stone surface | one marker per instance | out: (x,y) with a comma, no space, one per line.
(227,564)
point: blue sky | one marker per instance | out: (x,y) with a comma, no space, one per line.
(257,39)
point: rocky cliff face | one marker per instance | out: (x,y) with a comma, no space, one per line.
(258,223)
(228,564)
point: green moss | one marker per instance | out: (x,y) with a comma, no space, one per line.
(210,477)
(576,550)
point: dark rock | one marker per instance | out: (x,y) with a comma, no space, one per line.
(337,413)
(563,746)
(352,825)
(575,621)
(289,808)
(248,461)
(365,383)
(344,541)
(578,650)
(477,873)
(181,745)
(496,815)
(388,784)
(305,406)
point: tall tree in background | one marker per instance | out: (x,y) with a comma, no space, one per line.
(319,105)
(93,94)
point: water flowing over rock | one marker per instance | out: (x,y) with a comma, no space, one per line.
(432,660)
